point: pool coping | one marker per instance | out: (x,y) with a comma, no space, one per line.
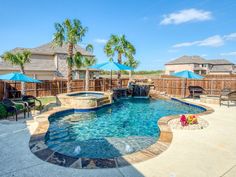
(41,150)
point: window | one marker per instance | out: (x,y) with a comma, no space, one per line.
(81,75)
(171,72)
(197,72)
(74,75)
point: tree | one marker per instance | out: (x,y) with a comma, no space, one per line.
(18,59)
(84,61)
(88,61)
(120,46)
(70,33)
(131,62)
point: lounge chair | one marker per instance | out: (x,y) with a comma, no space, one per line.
(31,102)
(228,96)
(196,91)
(13,107)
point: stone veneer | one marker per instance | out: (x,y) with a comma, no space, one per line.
(77,102)
(61,64)
(40,149)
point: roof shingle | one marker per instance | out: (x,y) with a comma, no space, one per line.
(198,60)
(187,60)
(50,49)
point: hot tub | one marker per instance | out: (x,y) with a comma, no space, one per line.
(84,100)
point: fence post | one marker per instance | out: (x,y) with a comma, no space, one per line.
(50,86)
(163,85)
(211,86)
(35,90)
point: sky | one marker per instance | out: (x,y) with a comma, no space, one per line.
(160,30)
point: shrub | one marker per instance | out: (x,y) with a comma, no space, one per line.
(3,111)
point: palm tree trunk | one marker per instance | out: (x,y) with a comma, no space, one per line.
(22,83)
(69,68)
(87,79)
(130,75)
(119,73)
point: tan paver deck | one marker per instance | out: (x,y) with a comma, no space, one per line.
(210,152)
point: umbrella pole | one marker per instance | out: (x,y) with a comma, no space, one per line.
(185,84)
(5,90)
(111,81)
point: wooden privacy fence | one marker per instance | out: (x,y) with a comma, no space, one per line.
(172,86)
(51,88)
(177,86)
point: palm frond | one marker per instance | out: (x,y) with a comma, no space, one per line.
(89,48)
(89,61)
(69,61)
(59,35)
(78,60)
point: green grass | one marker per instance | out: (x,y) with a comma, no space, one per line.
(46,100)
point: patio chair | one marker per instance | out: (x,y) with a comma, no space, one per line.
(230,96)
(13,107)
(225,91)
(196,91)
(31,102)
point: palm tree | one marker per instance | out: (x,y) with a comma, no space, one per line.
(80,61)
(70,33)
(120,46)
(88,61)
(19,59)
(131,62)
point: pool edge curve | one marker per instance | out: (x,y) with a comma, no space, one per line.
(40,149)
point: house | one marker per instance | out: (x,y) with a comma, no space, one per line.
(48,63)
(200,65)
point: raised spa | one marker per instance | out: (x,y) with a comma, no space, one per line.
(84,100)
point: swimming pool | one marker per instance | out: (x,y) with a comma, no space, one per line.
(126,126)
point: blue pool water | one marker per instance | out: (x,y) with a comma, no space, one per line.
(126,126)
(88,94)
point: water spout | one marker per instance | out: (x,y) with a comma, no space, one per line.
(77,150)
(128,148)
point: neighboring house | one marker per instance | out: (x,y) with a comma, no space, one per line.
(200,65)
(48,63)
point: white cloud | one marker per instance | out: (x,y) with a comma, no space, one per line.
(186,15)
(228,54)
(185,44)
(213,41)
(100,41)
(231,36)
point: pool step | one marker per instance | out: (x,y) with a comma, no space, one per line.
(103,101)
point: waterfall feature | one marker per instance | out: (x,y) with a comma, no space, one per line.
(140,90)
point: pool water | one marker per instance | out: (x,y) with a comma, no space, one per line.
(126,126)
(88,94)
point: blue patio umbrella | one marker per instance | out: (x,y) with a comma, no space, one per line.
(188,75)
(17,77)
(112,66)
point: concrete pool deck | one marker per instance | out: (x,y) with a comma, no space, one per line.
(209,152)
